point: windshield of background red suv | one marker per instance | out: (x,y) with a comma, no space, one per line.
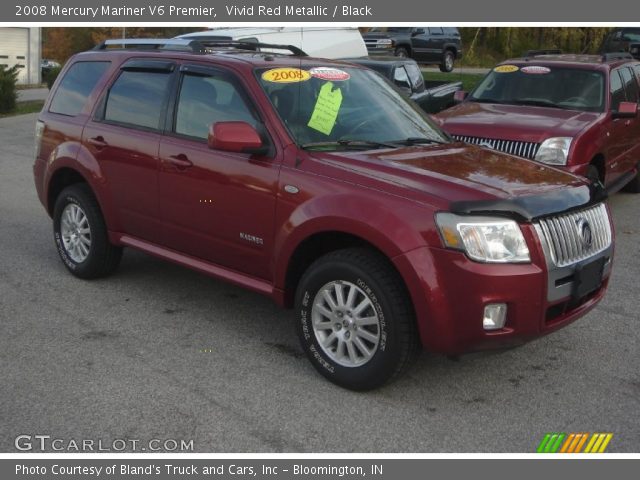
(332,107)
(541,86)
(631,35)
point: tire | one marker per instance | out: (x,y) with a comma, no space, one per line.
(448,61)
(402,52)
(634,185)
(81,236)
(384,327)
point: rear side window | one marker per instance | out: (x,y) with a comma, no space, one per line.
(415,75)
(630,84)
(617,91)
(400,78)
(76,86)
(137,98)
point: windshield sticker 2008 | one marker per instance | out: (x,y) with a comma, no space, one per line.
(286,75)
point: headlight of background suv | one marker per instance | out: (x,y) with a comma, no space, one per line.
(554,151)
(385,43)
(484,239)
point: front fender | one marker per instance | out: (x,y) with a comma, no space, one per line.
(382,222)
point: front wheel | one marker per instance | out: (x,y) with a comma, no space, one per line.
(401,52)
(448,59)
(355,320)
(81,236)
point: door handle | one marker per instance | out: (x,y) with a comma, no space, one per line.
(98,142)
(181,161)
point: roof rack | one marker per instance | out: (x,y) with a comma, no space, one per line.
(608,57)
(195,46)
(535,53)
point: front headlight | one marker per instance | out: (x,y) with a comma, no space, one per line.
(484,239)
(554,151)
(385,42)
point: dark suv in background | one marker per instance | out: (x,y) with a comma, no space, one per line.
(428,45)
(623,40)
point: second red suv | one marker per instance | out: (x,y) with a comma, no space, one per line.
(576,112)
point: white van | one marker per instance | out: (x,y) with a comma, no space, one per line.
(323,42)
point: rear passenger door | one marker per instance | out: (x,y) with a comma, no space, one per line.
(217,206)
(435,46)
(124,135)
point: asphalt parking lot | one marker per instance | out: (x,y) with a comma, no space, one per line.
(157,351)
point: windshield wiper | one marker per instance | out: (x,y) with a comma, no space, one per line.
(536,103)
(485,100)
(418,140)
(347,143)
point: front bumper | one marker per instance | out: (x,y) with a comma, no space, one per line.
(450,292)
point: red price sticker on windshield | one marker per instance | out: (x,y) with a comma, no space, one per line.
(330,74)
(535,70)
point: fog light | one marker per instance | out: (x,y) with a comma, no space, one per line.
(495,314)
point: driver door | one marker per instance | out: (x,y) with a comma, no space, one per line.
(216,206)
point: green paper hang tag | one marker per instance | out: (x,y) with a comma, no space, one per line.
(325,113)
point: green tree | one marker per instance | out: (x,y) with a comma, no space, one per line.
(8,94)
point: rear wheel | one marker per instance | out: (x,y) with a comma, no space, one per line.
(81,236)
(448,60)
(355,320)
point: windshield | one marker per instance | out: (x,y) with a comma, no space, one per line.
(566,88)
(631,35)
(331,106)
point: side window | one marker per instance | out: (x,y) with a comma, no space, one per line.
(400,78)
(415,75)
(136,98)
(205,100)
(630,84)
(435,30)
(617,90)
(76,86)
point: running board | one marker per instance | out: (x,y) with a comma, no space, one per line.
(216,271)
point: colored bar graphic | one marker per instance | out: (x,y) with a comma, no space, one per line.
(574,442)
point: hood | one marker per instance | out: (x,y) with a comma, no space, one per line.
(465,173)
(376,35)
(514,122)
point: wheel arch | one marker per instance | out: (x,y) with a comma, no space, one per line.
(598,161)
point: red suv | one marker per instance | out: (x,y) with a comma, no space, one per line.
(318,184)
(576,112)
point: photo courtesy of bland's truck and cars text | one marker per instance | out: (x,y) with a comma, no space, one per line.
(349,241)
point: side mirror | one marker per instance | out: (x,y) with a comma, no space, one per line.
(626,110)
(459,96)
(239,137)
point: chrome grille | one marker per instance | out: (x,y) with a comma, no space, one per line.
(565,240)
(521,149)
